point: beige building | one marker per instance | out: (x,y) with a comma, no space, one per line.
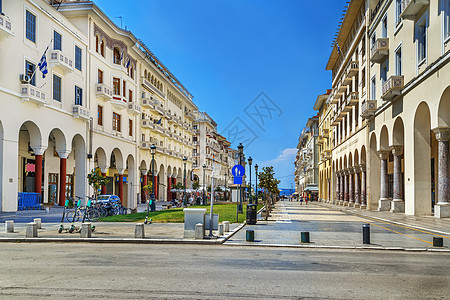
(391,110)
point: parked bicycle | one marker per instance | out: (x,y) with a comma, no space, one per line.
(88,212)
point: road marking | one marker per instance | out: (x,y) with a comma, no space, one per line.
(403,234)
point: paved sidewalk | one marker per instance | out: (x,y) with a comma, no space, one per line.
(330,228)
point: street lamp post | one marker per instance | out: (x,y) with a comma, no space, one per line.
(256,189)
(250,160)
(184,182)
(204,169)
(153,197)
(225,195)
(241,152)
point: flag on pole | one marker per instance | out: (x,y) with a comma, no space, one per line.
(128,63)
(159,122)
(121,57)
(338,48)
(43,64)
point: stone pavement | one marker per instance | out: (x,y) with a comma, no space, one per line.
(330,227)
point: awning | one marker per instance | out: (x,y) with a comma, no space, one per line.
(296,193)
(311,189)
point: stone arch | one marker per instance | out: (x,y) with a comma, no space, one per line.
(340,168)
(356,158)
(132,183)
(35,136)
(443,112)
(79,147)
(384,139)
(350,160)
(422,156)
(345,162)
(143,166)
(118,163)
(363,155)
(100,159)
(398,133)
(373,174)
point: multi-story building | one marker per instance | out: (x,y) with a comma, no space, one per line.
(391,115)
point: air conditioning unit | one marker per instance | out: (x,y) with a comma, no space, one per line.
(24,78)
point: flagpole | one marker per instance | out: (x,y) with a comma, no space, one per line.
(35,69)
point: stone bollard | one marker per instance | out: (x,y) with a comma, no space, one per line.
(226,226)
(220,229)
(139,232)
(199,231)
(9,226)
(86,230)
(38,222)
(31,230)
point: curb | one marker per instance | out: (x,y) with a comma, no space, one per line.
(380,219)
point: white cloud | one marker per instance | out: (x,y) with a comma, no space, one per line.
(287,156)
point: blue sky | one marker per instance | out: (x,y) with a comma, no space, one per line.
(228,52)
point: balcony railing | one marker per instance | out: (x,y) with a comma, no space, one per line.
(392,87)
(410,8)
(5,26)
(81,112)
(189,114)
(159,128)
(59,60)
(326,132)
(145,145)
(119,102)
(353,98)
(146,123)
(150,86)
(32,94)
(134,108)
(159,109)
(320,140)
(379,50)
(353,69)
(103,91)
(147,103)
(368,108)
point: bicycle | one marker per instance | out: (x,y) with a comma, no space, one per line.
(90,213)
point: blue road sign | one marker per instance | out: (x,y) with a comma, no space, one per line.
(237,180)
(238,171)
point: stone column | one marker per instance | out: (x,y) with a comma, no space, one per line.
(169,187)
(62,176)
(397,203)
(342,189)
(336,198)
(103,170)
(442,207)
(346,177)
(338,188)
(38,153)
(351,195)
(120,184)
(356,170)
(363,187)
(384,204)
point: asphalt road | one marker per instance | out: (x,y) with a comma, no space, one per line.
(130,271)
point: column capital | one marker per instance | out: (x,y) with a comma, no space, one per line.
(442,134)
(104,169)
(351,170)
(397,150)
(346,172)
(383,154)
(63,153)
(120,171)
(362,167)
(356,169)
(39,150)
(144,171)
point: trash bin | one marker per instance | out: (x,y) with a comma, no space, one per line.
(251,214)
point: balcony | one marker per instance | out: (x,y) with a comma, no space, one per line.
(347,80)
(160,149)
(368,108)
(103,91)
(151,87)
(392,87)
(134,108)
(145,145)
(325,132)
(353,98)
(81,112)
(189,114)
(119,102)
(410,8)
(320,140)
(159,129)
(327,154)
(196,154)
(32,94)
(353,69)
(146,123)
(159,109)
(147,103)
(60,61)
(5,27)
(337,97)
(379,50)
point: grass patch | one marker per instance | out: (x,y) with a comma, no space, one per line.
(227,212)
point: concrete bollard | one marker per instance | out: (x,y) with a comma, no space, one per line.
(250,235)
(38,222)
(31,230)
(226,226)
(366,234)
(199,231)
(304,237)
(9,226)
(86,230)
(139,232)
(220,229)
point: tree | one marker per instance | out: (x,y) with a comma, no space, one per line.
(270,186)
(179,186)
(196,185)
(148,188)
(96,180)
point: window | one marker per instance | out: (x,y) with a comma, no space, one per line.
(124,88)
(373,40)
(398,61)
(131,72)
(102,48)
(398,11)
(99,76)
(116,122)
(30,27)
(78,58)
(421,34)
(384,27)
(56,88)
(116,86)
(116,56)
(78,96)
(57,41)
(130,96)
(96,43)
(100,115)
(130,127)
(446,13)
(143,137)
(373,90)
(383,71)
(29,70)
